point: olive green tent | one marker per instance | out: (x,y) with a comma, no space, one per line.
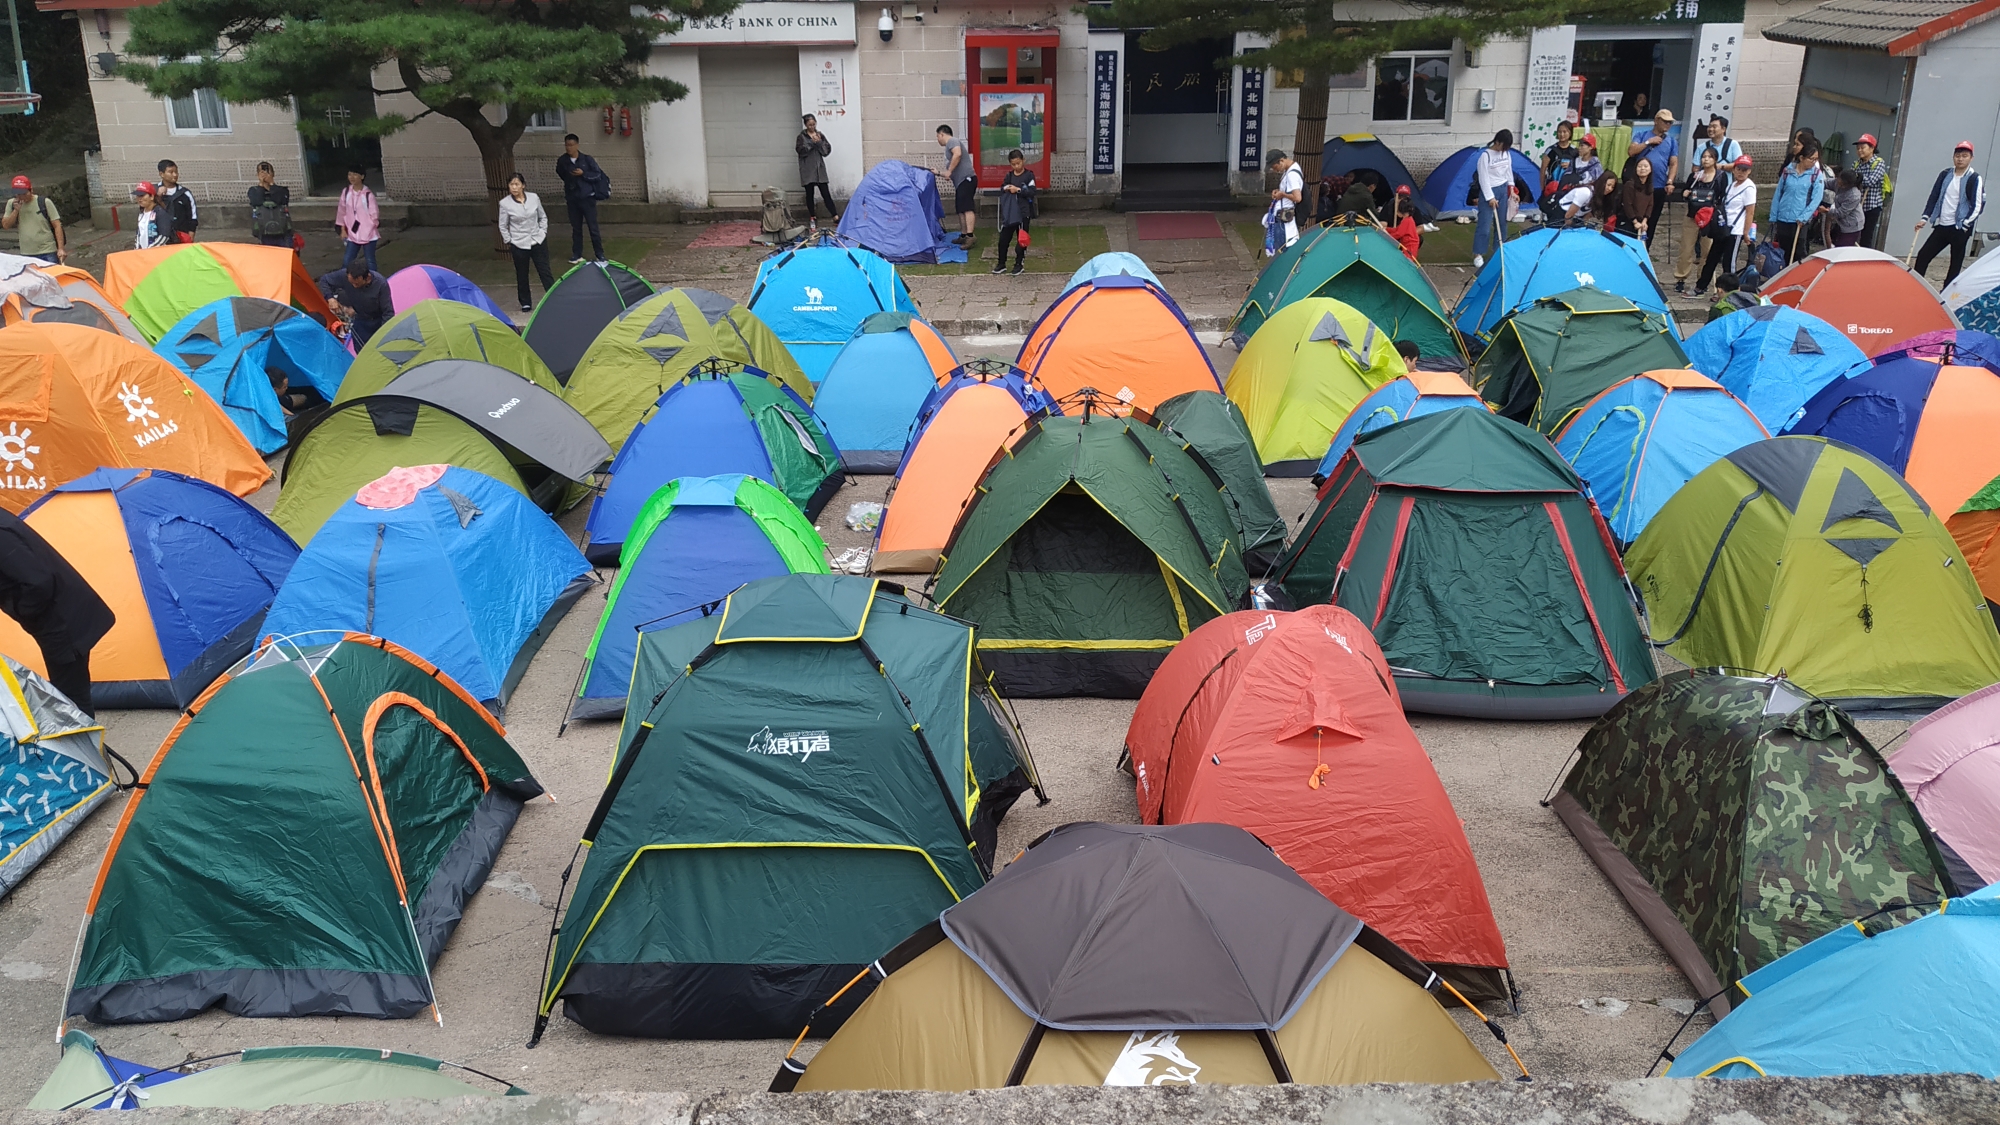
(802,779)
(1804,556)
(303,843)
(657,342)
(1091,547)
(1468,547)
(1548,360)
(1301,375)
(1213,427)
(1741,818)
(1358,266)
(439,329)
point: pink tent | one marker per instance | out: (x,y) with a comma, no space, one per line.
(1950,763)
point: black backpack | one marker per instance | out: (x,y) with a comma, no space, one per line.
(270,220)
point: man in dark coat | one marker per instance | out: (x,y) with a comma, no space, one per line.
(53,604)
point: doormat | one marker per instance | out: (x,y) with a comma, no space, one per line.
(1157,225)
(735,233)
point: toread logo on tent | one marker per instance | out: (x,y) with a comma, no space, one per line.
(815,301)
(17,460)
(1152,1059)
(139,412)
(800,744)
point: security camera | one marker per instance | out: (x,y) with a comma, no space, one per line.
(886,25)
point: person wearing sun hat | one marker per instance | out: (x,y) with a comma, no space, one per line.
(39,222)
(1956,199)
(151,227)
(1874,172)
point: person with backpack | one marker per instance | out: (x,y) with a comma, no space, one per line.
(270,208)
(177,207)
(584,183)
(1719,142)
(1702,191)
(1731,222)
(39,222)
(1957,198)
(358,218)
(1798,199)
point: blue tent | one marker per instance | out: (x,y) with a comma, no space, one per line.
(1774,358)
(895,212)
(876,385)
(1407,396)
(449,563)
(1548,261)
(229,346)
(56,776)
(1113,263)
(815,297)
(1450,183)
(1349,153)
(1922,998)
(1640,440)
(412,284)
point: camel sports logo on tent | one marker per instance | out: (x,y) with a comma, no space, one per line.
(1152,1059)
(17,460)
(139,412)
(800,744)
(815,301)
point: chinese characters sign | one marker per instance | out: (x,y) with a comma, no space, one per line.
(1715,69)
(1104,113)
(1250,127)
(1547,103)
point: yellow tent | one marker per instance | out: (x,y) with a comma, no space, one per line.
(1300,376)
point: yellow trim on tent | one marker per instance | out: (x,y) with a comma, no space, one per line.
(37,734)
(1173,594)
(873,585)
(1009,643)
(1728,1062)
(57,819)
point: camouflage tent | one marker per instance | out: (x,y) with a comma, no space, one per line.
(1741,818)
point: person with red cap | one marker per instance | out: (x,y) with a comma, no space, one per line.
(1732,222)
(1874,172)
(1955,202)
(39,222)
(151,227)
(1402,225)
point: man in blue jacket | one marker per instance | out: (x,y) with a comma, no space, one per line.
(1797,201)
(1954,205)
(584,183)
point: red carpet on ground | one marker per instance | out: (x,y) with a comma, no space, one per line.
(1158,225)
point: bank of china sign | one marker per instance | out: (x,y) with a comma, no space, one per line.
(791,22)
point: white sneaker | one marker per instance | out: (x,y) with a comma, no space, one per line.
(576,261)
(1479,261)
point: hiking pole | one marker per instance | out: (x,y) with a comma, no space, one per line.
(1495,1028)
(1911,256)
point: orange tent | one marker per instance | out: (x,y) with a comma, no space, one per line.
(159,286)
(1871,297)
(88,304)
(1289,726)
(1122,335)
(74,398)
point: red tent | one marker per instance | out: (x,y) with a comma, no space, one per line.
(1871,297)
(1289,725)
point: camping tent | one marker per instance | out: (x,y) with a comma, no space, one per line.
(1113,263)
(1740,818)
(74,398)
(658,342)
(959,430)
(709,425)
(815,298)
(1916,999)
(1214,427)
(1950,763)
(1551,357)
(1122,335)
(232,348)
(821,764)
(1409,396)
(1301,374)
(1321,766)
(1935,424)
(1447,531)
(1960,345)
(1640,440)
(1773,358)
(895,212)
(257,1078)
(57,773)
(411,284)
(1552,260)
(187,568)
(1092,546)
(1360,267)
(577,307)
(449,563)
(1873,298)
(1122,955)
(444,412)
(159,286)
(301,890)
(1973,297)
(1349,153)
(872,391)
(1449,186)
(1806,556)
(1976,528)
(60,294)
(434,330)
(697,539)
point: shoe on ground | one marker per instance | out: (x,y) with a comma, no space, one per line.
(1680,287)
(1019,266)
(600,262)
(527,308)
(1701,291)
(1479,261)
(576,261)
(1000,267)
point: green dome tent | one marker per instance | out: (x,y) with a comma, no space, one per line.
(1213,426)
(1468,547)
(1803,556)
(1358,266)
(1547,361)
(1091,547)
(1741,818)
(439,329)
(802,779)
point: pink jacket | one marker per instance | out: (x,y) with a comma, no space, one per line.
(358,207)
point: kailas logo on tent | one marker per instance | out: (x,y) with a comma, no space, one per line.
(17,454)
(800,744)
(1261,629)
(1152,1060)
(815,301)
(138,409)
(1585,279)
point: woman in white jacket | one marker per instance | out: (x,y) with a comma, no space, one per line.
(524,226)
(1494,174)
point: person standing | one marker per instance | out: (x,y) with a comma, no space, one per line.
(1796,201)
(1739,202)
(813,149)
(360,297)
(150,226)
(584,183)
(177,203)
(270,208)
(1637,200)
(1281,222)
(1719,142)
(1702,191)
(1874,172)
(1956,200)
(39,222)
(52,603)
(1660,148)
(524,227)
(1493,175)
(964,182)
(1847,217)
(358,218)
(1017,210)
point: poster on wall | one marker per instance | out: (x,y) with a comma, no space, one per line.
(1250,126)
(1104,113)
(1011,119)
(830,85)
(1547,102)
(1715,69)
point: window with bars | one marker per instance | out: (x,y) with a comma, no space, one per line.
(547,121)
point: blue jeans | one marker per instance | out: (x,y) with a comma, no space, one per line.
(1492,229)
(355,250)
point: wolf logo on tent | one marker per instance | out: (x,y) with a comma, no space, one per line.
(235,347)
(55,770)
(815,298)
